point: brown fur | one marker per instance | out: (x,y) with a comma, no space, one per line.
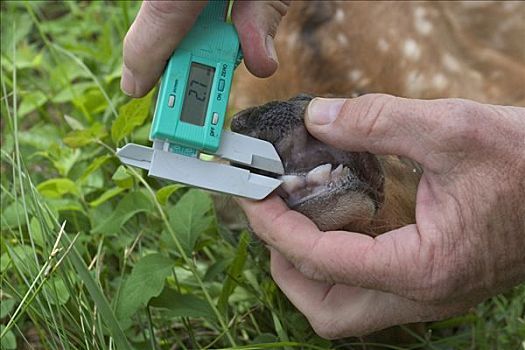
(465,49)
(398,210)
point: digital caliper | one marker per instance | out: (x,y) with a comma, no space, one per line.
(190,115)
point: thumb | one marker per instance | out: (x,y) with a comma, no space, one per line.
(377,123)
(151,39)
(256,23)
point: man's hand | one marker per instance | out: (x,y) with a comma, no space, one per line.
(161,25)
(467,243)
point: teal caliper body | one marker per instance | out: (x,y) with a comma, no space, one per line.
(195,87)
(190,114)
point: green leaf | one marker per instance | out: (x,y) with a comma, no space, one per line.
(72,91)
(145,282)
(36,231)
(131,115)
(56,188)
(5,260)
(30,102)
(97,163)
(56,288)
(80,138)
(64,204)
(183,305)
(165,192)
(234,272)
(63,158)
(15,26)
(92,101)
(40,136)
(12,215)
(190,217)
(6,306)
(104,197)
(64,74)
(22,256)
(73,123)
(8,341)
(122,178)
(132,204)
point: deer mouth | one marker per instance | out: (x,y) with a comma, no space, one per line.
(331,186)
(298,188)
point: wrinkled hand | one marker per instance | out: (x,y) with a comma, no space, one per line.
(161,25)
(467,243)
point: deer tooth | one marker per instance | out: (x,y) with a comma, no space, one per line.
(336,173)
(319,175)
(292,183)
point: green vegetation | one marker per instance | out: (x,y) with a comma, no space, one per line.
(98,256)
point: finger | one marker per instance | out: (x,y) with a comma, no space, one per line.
(381,263)
(256,23)
(151,39)
(336,310)
(384,124)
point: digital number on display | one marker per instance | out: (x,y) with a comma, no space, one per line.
(197,96)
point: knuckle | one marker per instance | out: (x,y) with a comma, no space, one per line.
(465,122)
(306,266)
(425,280)
(169,14)
(437,284)
(130,46)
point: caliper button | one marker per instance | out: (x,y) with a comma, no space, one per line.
(171,101)
(215,118)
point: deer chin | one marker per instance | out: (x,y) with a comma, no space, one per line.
(334,188)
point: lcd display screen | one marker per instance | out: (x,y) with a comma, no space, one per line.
(197,96)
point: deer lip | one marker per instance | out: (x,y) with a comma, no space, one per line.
(299,187)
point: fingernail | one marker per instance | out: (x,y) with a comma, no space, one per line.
(270,48)
(127,82)
(323,111)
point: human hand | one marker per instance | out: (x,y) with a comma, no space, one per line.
(467,243)
(161,25)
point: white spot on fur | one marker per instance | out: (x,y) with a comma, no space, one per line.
(450,62)
(383,45)
(415,83)
(421,23)
(363,82)
(439,81)
(420,12)
(291,39)
(342,39)
(411,49)
(339,15)
(355,75)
